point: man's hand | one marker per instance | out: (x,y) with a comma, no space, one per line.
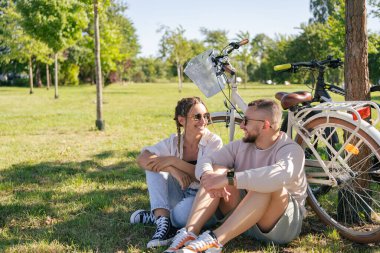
(214,181)
(220,193)
(161,163)
(183,179)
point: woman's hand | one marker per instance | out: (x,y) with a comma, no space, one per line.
(161,163)
(183,179)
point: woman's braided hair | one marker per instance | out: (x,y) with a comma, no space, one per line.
(182,109)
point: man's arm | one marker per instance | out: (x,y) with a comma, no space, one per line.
(289,166)
(224,157)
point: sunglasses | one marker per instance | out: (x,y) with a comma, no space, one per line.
(245,120)
(199,116)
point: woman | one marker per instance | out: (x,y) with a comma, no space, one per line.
(170,166)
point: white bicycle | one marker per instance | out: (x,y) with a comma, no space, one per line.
(342,150)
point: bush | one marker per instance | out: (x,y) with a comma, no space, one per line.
(68,74)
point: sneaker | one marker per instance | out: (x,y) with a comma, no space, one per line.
(182,238)
(164,233)
(144,217)
(206,242)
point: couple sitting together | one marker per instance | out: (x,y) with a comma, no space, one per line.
(203,194)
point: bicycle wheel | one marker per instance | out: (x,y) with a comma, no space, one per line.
(219,125)
(353,205)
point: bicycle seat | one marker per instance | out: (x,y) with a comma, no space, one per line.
(291,99)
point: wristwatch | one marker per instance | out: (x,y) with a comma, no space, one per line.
(230,177)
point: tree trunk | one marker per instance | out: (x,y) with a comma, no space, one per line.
(179,78)
(56,75)
(357,87)
(356,54)
(30,76)
(47,77)
(38,75)
(100,124)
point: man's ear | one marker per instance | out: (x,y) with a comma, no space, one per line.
(266,124)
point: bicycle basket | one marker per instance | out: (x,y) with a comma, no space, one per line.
(202,72)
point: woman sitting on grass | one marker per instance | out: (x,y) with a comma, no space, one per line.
(170,168)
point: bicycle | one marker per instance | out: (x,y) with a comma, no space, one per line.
(334,177)
(320,89)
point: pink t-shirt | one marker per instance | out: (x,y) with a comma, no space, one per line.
(279,166)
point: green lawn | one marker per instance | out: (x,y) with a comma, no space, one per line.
(65,187)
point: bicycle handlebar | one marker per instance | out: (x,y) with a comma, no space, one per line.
(233,46)
(293,67)
(222,59)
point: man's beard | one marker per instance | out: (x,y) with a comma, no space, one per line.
(250,139)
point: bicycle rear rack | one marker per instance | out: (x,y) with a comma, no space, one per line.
(355,108)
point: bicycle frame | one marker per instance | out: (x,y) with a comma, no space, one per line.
(236,101)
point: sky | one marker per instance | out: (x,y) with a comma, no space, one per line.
(271,17)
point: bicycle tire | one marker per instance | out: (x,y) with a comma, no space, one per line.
(219,125)
(359,181)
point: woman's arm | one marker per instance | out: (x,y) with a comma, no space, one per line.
(152,162)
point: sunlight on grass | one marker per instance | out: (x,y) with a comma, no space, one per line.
(65,187)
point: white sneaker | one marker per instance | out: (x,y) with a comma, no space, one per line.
(206,242)
(182,238)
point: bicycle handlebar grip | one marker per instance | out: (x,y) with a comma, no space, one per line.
(229,69)
(243,42)
(282,67)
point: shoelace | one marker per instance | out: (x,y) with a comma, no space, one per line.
(162,227)
(148,217)
(202,242)
(179,238)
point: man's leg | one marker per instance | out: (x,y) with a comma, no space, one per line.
(204,207)
(263,209)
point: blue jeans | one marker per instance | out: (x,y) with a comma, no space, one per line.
(165,192)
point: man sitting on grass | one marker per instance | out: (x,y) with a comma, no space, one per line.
(263,196)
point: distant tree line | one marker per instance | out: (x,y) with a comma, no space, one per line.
(28,45)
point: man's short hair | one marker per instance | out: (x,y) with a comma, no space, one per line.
(273,109)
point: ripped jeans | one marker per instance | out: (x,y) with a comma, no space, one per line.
(165,192)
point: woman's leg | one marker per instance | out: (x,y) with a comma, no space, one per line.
(164,192)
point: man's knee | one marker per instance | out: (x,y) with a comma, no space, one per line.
(277,205)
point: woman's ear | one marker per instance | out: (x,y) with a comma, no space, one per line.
(182,120)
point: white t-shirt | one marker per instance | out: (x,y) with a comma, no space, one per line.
(208,144)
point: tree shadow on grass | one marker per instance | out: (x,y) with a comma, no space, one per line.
(43,203)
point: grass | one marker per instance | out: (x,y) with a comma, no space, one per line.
(65,187)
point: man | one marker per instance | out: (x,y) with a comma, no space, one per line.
(263,196)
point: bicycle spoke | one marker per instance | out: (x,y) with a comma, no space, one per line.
(338,151)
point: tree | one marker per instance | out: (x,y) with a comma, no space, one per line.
(176,48)
(100,124)
(321,10)
(356,54)
(244,56)
(57,23)
(357,88)
(216,39)
(19,45)
(118,42)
